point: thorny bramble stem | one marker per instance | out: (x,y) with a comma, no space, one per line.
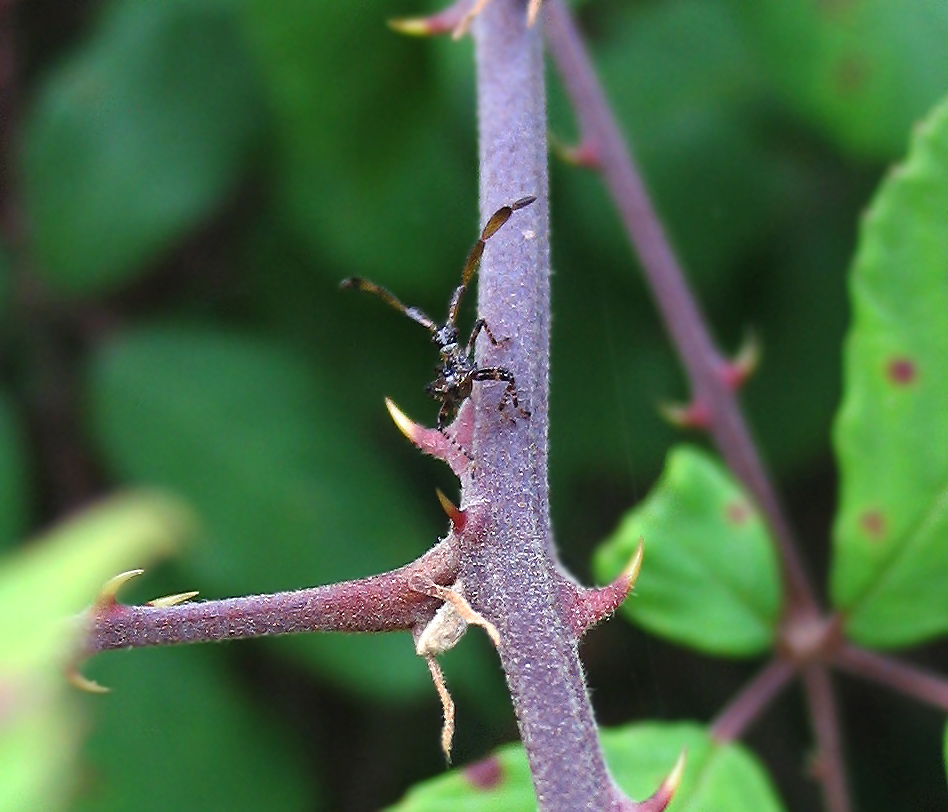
(663,273)
(510,573)
(379,603)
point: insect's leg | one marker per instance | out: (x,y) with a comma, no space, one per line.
(510,393)
(479,325)
(443,415)
(497,219)
(387,296)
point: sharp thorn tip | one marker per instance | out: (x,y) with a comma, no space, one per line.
(111,587)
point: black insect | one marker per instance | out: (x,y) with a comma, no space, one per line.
(457,370)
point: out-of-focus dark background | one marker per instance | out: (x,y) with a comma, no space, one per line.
(183,185)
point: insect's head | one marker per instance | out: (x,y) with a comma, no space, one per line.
(445,335)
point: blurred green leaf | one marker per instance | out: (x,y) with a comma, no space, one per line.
(367,169)
(44,586)
(177,733)
(864,70)
(14,482)
(710,578)
(718,777)
(682,84)
(136,138)
(290,494)
(891,437)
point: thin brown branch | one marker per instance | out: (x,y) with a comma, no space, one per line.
(910,680)
(750,703)
(828,763)
(703,363)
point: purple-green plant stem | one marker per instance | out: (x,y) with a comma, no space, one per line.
(742,711)
(899,676)
(683,320)
(379,603)
(510,572)
(824,719)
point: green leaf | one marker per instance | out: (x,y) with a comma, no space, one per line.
(365,141)
(718,777)
(891,437)
(136,138)
(709,578)
(14,482)
(176,732)
(863,70)
(681,81)
(289,493)
(44,586)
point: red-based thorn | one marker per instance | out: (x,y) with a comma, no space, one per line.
(595,605)
(744,364)
(664,795)
(434,442)
(457,516)
(443,22)
(104,601)
(584,154)
(693,416)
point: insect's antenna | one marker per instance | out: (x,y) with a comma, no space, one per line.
(497,219)
(387,296)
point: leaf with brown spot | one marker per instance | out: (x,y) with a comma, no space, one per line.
(891,435)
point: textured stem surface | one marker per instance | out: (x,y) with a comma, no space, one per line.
(511,571)
(387,602)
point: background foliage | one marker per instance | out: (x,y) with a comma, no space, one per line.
(185,183)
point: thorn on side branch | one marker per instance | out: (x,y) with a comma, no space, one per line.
(457,516)
(745,363)
(443,22)
(592,606)
(436,443)
(664,795)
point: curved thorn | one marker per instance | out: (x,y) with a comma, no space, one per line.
(416,26)
(673,780)
(663,796)
(111,587)
(592,606)
(583,154)
(434,442)
(441,23)
(634,567)
(172,600)
(404,423)
(455,514)
(745,363)
(84,683)
(692,416)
